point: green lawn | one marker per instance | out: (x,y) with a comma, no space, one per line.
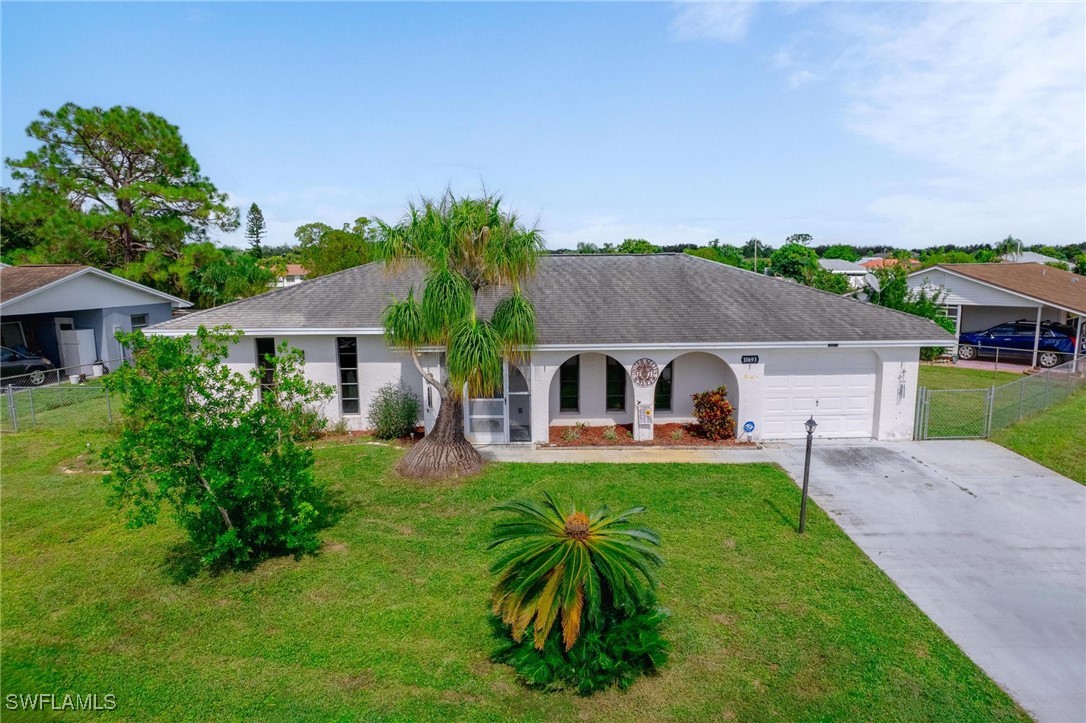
(390,620)
(1053,438)
(946,376)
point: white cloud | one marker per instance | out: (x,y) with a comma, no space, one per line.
(980,88)
(725,21)
(800,78)
(1041,215)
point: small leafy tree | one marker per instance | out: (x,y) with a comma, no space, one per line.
(714,413)
(894,293)
(794,261)
(584,585)
(205,441)
(841,251)
(394,411)
(325,250)
(636,246)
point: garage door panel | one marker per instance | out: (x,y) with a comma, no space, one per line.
(836,387)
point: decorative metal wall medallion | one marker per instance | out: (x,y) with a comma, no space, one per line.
(644,372)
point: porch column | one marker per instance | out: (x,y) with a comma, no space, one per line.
(1037,335)
(1078,344)
(541,400)
(644,397)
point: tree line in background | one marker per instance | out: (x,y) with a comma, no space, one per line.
(119,189)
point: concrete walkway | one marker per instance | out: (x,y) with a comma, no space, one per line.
(991,546)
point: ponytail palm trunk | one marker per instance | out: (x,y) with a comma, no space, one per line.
(466,245)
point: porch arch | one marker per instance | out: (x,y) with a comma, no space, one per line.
(591,393)
(693,372)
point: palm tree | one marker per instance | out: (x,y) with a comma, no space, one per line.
(466,245)
(570,565)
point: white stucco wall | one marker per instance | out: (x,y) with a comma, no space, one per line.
(892,416)
(377,366)
(895,403)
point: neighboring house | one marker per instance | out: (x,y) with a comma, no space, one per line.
(622,339)
(69,313)
(1030,257)
(980,296)
(295,274)
(854,272)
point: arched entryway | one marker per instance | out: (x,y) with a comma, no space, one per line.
(591,388)
(688,374)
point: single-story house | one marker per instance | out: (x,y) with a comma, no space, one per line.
(69,313)
(980,296)
(621,339)
(294,274)
(854,272)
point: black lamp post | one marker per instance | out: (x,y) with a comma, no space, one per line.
(810,424)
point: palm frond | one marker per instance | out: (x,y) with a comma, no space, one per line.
(474,358)
(514,321)
(404,323)
(569,565)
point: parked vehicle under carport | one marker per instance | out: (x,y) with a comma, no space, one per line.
(1055,345)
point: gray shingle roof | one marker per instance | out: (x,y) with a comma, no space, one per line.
(841,265)
(597,300)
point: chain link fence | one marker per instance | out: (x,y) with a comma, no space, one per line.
(977,413)
(72,398)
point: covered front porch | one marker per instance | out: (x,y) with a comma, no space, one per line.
(636,388)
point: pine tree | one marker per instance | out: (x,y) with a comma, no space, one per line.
(255,230)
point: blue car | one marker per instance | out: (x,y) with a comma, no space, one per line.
(1015,340)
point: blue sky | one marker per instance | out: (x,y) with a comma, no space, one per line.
(910,124)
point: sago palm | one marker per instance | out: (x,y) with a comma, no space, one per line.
(570,565)
(466,245)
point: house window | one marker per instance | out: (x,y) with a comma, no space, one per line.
(616,386)
(347,351)
(662,401)
(265,360)
(569,383)
(139,321)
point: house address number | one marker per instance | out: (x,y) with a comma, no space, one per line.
(749,359)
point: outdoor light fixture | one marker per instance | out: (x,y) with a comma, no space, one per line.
(901,385)
(810,424)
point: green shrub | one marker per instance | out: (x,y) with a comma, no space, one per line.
(623,649)
(583,584)
(714,413)
(610,434)
(394,411)
(198,438)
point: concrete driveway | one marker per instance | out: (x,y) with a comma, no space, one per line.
(991,546)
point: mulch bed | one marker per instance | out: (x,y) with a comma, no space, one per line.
(664,435)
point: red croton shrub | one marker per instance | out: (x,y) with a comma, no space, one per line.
(714,413)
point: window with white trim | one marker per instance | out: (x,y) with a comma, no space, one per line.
(347,358)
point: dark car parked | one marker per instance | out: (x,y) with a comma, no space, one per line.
(25,369)
(1015,339)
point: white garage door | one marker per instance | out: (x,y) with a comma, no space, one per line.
(836,386)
